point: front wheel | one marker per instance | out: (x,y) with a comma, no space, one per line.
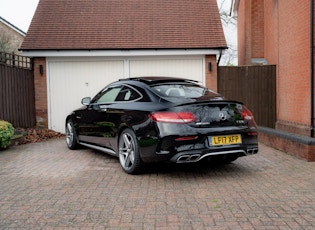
(129,155)
(71,136)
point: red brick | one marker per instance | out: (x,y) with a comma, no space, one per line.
(279,31)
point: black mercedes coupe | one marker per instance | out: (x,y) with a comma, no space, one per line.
(154,119)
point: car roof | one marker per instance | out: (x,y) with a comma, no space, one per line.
(151,80)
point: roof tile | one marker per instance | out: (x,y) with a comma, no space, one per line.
(125,24)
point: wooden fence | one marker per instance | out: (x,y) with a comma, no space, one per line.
(255,86)
(17,94)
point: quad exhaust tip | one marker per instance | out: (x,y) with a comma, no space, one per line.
(252,151)
(189,158)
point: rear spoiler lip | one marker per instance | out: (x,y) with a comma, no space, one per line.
(213,102)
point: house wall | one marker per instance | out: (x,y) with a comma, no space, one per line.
(244,31)
(13,38)
(271,36)
(286,43)
(250,31)
(257,33)
(293,66)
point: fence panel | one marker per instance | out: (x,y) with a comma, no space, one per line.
(253,85)
(17,93)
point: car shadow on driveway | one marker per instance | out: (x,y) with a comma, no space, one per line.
(162,168)
(196,168)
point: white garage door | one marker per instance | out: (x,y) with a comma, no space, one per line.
(185,68)
(70,81)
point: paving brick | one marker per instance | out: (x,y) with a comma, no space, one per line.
(47,186)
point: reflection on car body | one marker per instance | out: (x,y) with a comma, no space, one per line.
(152,119)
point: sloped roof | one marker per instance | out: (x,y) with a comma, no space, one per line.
(13,27)
(125,24)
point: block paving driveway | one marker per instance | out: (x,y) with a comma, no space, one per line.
(46,186)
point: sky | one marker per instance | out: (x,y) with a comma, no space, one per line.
(18,12)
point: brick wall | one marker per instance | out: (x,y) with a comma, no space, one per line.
(271,32)
(250,31)
(257,29)
(280,33)
(211,76)
(294,66)
(244,38)
(40,83)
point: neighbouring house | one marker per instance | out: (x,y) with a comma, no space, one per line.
(11,37)
(281,33)
(79,46)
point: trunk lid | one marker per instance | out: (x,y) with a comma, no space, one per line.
(217,113)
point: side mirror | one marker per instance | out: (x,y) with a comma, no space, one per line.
(86,101)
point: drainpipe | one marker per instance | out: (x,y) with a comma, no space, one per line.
(218,62)
(312,65)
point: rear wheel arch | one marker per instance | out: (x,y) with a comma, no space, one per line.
(121,129)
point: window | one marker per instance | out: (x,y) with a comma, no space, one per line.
(128,94)
(109,95)
(179,90)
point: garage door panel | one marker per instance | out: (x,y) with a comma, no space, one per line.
(70,81)
(186,68)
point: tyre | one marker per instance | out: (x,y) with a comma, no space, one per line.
(71,136)
(129,155)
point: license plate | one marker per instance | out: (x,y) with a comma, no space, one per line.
(225,140)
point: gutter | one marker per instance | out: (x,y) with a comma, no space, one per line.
(312,64)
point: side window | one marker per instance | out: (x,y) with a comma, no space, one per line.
(128,94)
(109,95)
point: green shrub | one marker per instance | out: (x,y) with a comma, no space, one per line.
(6,132)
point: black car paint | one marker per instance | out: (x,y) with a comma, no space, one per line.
(101,125)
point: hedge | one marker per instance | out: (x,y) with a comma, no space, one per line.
(6,133)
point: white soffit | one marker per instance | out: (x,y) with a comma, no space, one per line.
(119,53)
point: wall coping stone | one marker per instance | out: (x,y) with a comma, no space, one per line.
(305,140)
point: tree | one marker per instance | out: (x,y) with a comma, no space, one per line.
(229,24)
(4,47)
(4,43)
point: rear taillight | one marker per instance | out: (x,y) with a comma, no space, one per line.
(252,133)
(246,114)
(173,117)
(186,138)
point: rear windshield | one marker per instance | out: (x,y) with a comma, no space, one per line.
(181,90)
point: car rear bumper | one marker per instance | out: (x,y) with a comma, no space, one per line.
(170,145)
(186,154)
(195,156)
